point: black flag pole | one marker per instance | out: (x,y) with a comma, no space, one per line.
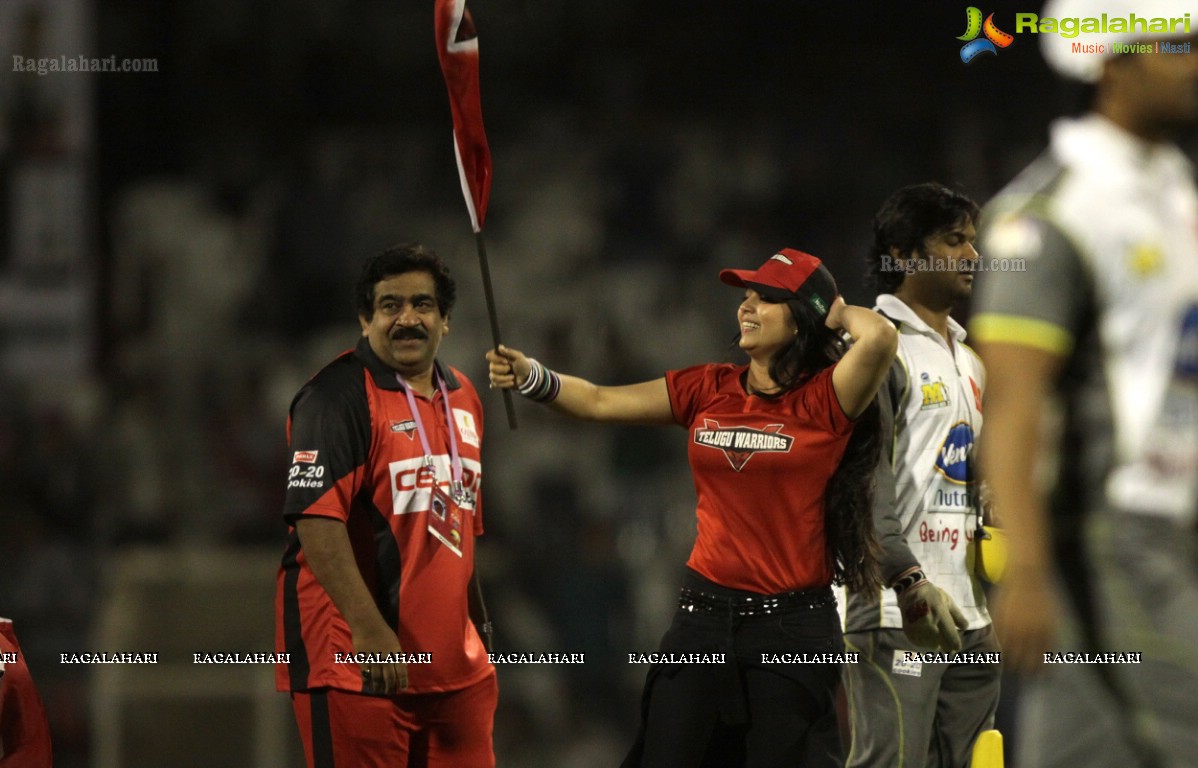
(494,317)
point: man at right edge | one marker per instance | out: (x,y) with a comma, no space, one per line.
(1091,445)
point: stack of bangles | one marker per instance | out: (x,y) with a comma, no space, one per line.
(542,384)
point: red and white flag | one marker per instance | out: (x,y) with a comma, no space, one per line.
(457,48)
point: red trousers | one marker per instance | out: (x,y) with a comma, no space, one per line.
(341,729)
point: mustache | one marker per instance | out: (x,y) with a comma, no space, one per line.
(408,333)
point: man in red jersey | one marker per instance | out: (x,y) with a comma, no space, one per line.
(387,663)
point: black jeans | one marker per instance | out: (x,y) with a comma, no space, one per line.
(747,711)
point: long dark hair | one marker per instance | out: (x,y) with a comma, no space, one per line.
(852,547)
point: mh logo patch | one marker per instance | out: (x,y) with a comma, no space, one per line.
(935,394)
(740,443)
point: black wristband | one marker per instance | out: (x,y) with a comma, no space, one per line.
(909,580)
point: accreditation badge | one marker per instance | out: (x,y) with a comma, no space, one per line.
(445,521)
(904,665)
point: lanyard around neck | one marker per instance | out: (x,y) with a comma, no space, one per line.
(455,456)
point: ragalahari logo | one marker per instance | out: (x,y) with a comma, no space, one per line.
(993,39)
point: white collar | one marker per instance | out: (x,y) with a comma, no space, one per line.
(896,308)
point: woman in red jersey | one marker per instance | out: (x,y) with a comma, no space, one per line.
(782,451)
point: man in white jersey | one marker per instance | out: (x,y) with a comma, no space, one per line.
(913,701)
(1092,356)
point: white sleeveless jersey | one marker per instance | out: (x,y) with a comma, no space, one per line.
(939,418)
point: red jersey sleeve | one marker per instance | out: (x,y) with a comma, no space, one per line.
(329,440)
(24,729)
(689,390)
(818,399)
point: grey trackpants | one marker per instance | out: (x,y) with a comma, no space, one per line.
(924,715)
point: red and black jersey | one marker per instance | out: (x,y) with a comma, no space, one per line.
(761,467)
(24,730)
(357,457)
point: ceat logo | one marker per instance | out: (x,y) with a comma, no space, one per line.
(952,460)
(740,443)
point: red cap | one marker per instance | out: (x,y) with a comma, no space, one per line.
(789,274)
